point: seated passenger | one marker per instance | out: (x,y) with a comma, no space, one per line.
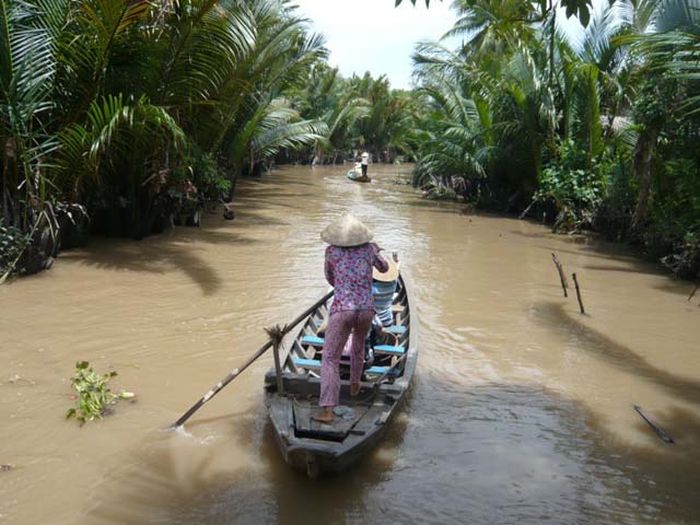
(383,289)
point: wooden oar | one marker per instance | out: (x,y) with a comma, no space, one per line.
(237,371)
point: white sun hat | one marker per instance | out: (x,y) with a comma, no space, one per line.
(346,231)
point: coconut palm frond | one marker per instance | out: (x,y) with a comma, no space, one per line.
(113,125)
(672,15)
(291,135)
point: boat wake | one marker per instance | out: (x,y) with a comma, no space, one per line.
(180,430)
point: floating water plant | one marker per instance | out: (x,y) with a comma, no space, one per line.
(94,396)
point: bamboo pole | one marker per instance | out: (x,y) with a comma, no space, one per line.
(237,371)
(578,293)
(693,292)
(276,334)
(562,275)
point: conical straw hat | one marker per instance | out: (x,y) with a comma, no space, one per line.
(346,231)
(391,274)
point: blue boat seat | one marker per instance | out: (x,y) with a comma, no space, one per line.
(396,329)
(311,364)
(312,340)
(390,349)
(314,364)
(381,370)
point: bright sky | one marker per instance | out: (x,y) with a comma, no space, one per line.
(374,36)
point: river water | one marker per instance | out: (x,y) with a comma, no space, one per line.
(521,410)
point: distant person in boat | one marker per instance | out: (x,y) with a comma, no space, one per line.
(350,259)
(364,161)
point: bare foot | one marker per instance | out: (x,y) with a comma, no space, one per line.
(326,416)
(355,389)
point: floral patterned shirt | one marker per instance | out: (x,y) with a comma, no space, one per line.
(349,271)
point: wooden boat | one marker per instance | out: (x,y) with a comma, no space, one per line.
(357,177)
(360,421)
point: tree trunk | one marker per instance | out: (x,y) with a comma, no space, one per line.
(5,196)
(643,157)
(552,35)
(236,168)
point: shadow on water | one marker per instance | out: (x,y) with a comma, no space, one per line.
(162,487)
(623,269)
(268,202)
(622,357)
(490,453)
(681,288)
(436,205)
(270,182)
(607,254)
(273,193)
(250,217)
(156,257)
(634,261)
(221,235)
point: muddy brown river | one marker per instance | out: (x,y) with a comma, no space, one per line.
(521,410)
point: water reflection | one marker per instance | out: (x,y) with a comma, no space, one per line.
(587,339)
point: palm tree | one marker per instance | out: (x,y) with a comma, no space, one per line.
(28,62)
(656,28)
(102,101)
(331,99)
(455,148)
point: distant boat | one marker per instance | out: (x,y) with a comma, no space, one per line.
(360,421)
(357,176)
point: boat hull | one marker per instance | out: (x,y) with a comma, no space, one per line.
(353,176)
(318,457)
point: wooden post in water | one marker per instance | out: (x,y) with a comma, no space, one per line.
(578,293)
(562,275)
(693,292)
(278,370)
(656,428)
(276,334)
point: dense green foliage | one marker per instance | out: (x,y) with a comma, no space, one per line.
(136,113)
(597,132)
(359,113)
(138,110)
(124,117)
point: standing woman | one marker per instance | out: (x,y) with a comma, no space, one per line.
(349,262)
(364,161)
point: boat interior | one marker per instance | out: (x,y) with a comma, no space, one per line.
(384,352)
(385,355)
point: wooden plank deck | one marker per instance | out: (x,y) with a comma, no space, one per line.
(345,420)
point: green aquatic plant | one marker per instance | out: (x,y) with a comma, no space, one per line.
(94,396)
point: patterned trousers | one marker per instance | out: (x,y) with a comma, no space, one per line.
(340,326)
